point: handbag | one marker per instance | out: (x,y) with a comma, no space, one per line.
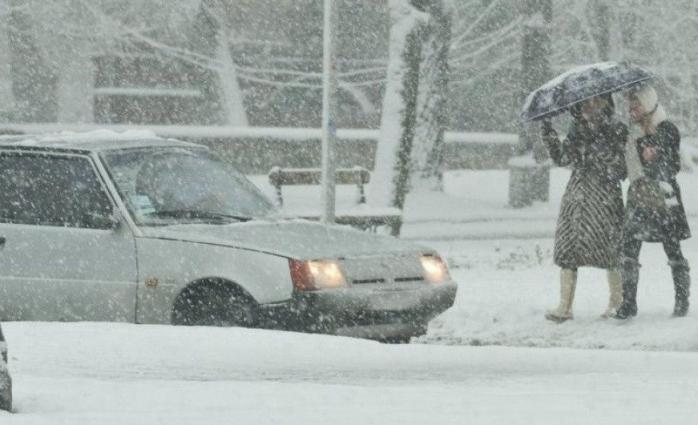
(646,193)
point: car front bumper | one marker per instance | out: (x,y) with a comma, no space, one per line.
(374,313)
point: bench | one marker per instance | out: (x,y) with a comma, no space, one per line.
(362,218)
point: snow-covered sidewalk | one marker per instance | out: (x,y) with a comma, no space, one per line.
(473,205)
(87,373)
(505,286)
(502,258)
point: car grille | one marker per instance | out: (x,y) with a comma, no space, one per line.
(367,281)
(409,279)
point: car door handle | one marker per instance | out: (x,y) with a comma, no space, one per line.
(2,240)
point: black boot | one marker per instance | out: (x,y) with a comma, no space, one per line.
(682,284)
(631,275)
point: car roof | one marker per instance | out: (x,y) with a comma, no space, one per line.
(92,141)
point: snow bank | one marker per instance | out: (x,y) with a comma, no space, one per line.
(271,133)
(89,373)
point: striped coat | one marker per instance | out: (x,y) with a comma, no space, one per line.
(590,222)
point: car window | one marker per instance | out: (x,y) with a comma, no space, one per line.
(51,190)
(175,185)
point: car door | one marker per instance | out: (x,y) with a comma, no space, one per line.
(61,257)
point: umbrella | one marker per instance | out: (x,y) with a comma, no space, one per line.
(581,83)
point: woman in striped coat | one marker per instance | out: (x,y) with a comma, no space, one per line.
(590,222)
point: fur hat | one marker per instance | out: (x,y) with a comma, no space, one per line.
(649,100)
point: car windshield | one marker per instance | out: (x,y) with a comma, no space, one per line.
(174,185)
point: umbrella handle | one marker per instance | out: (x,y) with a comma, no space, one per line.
(547,127)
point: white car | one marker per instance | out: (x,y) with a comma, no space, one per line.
(107,226)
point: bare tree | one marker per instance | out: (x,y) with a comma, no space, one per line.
(600,17)
(656,34)
(432,101)
(7,106)
(216,13)
(392,161)
(75,31)
(415,109)
(529,179)
(485,60)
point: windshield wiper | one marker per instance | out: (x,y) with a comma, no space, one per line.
(198,214)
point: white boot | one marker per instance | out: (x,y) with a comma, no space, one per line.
(615,293)
(568,283)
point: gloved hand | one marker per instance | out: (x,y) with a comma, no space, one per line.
(547,130)
(575,130)
(550,137)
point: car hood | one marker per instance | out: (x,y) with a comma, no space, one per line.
(288,238)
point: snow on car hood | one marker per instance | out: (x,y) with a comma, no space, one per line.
(288,238)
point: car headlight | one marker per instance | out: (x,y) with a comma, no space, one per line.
(316,274)
(434,268)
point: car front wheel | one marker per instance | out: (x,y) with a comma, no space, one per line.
(405,338)
(214,305)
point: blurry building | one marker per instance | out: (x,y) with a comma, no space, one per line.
(50,74)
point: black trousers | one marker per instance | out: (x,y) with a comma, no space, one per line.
(672,248)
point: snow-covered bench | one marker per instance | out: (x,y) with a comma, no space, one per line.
(359,215)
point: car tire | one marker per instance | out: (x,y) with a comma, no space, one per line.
(214,305)
(405,338)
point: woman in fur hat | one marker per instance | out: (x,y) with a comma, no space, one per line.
(590,222)
(654,211)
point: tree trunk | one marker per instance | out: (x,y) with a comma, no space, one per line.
(432,103)
(531,182)
(535,63)
(75,88)
(389,182)
(214,36)
(232,95)
(33,82)
(8,102)
(599,17)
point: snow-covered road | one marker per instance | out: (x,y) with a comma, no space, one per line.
(531,371)
(87,373)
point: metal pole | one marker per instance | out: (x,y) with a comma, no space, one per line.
(329,112)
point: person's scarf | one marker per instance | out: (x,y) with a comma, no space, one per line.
(632,156)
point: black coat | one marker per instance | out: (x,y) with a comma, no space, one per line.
(590,223)
(651,224)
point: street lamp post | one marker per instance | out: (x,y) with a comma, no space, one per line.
(329,112)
